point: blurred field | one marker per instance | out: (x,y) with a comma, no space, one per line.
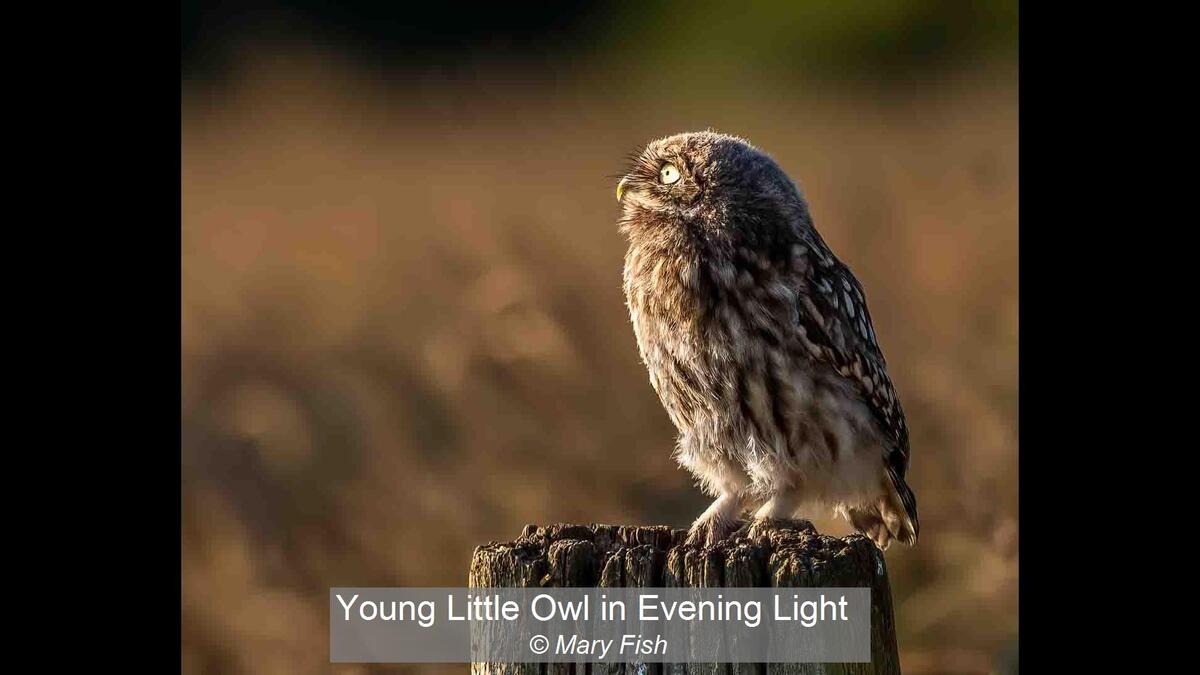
(403,333)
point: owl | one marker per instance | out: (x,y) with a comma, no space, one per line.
(759,344)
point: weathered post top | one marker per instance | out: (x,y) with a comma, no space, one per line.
(778,554)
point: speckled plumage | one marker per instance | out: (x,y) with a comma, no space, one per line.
(758,342)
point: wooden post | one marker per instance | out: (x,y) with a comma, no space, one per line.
(783,554)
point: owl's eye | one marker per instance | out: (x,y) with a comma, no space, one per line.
(668,174)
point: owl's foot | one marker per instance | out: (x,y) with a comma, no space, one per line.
(716,524)
(709,532)
(777,514)
(760,526)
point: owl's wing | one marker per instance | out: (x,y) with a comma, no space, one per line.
(836,327)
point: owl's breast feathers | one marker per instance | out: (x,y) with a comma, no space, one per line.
(696,312)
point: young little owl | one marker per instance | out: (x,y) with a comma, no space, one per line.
(758,342)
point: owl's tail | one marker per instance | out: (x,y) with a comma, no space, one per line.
(894,516)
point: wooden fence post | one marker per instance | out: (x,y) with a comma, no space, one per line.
(791,554)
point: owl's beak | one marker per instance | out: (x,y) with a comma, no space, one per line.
(621,187)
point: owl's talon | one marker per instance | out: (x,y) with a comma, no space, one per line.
(708,532)
(759,527)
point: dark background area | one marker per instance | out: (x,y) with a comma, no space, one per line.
(875,41)
(403,333)
(391,33)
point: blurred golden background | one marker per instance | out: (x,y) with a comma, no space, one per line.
(403,331)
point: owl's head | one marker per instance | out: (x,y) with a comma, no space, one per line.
(705,182)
